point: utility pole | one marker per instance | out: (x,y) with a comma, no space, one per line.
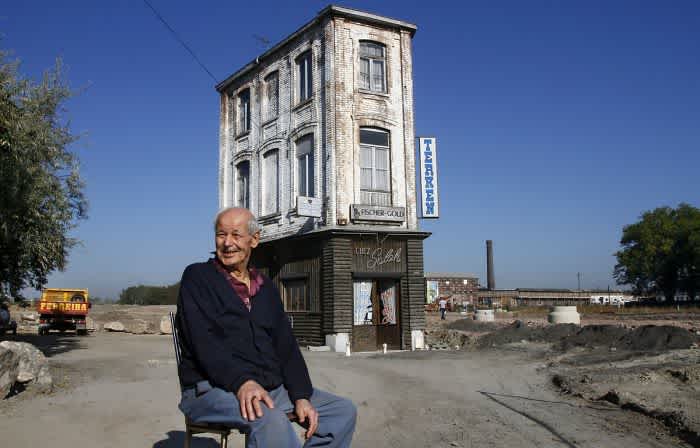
(578,276)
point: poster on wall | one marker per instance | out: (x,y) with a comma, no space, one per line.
(388,304)
(362,292)
(432,291)
(427,153)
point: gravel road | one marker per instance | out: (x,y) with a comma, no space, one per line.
(120,390)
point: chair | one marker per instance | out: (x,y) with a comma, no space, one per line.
(191,427)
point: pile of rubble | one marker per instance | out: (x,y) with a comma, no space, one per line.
(29,324)
(23,366)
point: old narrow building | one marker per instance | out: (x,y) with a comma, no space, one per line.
(317,139)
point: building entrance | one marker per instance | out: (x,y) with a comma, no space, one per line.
(376,305)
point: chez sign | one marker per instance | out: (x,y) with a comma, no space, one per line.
(380,258)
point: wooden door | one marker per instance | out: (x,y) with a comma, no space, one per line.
(376,314)
(388,325)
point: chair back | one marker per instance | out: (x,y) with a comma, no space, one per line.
(176,340)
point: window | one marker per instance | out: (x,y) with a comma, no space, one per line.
(305,165)
(272,95)
(243,184)
(305,76)
(296,295)
(372,63)
(375,175)
(270,185)
(244,111)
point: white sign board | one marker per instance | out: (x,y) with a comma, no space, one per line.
(427,151)
(309,206)
(359,212)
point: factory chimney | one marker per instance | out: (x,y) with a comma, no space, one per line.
(490,278)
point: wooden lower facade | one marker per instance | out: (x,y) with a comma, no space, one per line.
(368,285)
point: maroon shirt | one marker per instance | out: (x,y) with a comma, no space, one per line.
(256,282)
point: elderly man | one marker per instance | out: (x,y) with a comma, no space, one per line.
(241,364)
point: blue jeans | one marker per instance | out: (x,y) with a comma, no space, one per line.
(442,313)
(336,417)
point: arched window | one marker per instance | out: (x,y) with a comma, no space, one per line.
(375,172)
(372,66)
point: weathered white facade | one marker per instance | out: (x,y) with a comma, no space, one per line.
(317,139)
(331,117)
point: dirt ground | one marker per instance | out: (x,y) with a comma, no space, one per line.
(121,390)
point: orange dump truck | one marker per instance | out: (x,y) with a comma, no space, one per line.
(63,309)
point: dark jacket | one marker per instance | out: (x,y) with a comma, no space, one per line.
(224,343)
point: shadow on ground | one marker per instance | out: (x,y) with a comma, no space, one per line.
(176,439)
(51,344)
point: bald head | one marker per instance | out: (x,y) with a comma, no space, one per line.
(238,213)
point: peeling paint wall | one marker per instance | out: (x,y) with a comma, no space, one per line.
(333,116)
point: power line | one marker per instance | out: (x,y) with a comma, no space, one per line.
(182,42)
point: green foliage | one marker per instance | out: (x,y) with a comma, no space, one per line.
(41,191)
(150,295)
(661,252)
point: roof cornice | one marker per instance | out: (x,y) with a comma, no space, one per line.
(329,11)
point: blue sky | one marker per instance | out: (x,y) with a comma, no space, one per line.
(557,124)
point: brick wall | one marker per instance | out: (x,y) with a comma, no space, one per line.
(457,289)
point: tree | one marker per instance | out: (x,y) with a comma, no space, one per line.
(41,191)
(661,252)
(150,295)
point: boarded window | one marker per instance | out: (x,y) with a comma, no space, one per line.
(271,182)
(296,295)
(272,95)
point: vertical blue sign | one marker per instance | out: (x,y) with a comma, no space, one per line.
(430,204)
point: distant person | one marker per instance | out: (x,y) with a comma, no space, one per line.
(442,304)
(6,322)
(241,365)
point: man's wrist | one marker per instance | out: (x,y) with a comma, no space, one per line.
(238,383)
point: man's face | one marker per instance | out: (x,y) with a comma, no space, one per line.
(233,242)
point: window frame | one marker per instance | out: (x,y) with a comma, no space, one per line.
(309,187)
(304,82)
(303,305)
(374,169)
(242,196)
(268,183)
(268,100)
(243,111)
(371,59)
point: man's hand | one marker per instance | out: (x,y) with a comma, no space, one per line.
(249,395)
(304,410)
